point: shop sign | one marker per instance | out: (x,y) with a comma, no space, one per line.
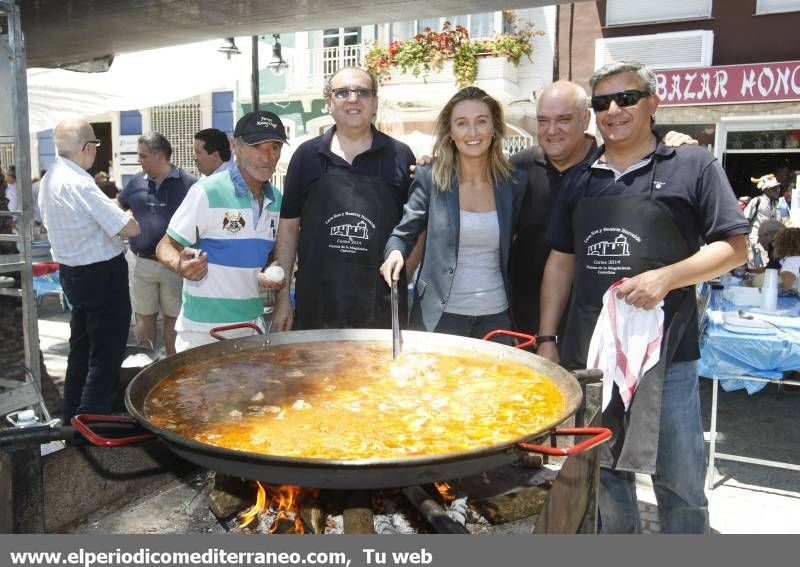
(729,84)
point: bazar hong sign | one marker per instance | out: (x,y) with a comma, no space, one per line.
(763,82)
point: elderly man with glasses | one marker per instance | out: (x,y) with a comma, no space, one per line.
(343,195)
(86,229)
(637,211)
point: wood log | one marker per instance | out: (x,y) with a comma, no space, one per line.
(230,496)
(358,517)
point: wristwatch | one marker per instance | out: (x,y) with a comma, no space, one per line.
(547,339)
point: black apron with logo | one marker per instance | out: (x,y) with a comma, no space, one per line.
(617,237)
(344,226)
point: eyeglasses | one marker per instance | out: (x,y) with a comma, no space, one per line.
(600,103)
(344,93)
(95,142)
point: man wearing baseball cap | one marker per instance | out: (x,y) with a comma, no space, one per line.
(220,238)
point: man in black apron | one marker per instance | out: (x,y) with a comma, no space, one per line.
(562,117)
(639,210)
(344,193)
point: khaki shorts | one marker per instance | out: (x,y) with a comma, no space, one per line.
(154,288)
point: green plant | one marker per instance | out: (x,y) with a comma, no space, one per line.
(427,51)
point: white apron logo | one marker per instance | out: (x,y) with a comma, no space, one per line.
(619,247)
(607,250)
(349,232)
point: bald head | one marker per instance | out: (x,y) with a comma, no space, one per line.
(562,117)
(568,92)
(70,135)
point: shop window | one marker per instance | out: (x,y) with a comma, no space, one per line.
(767,140)
(773,6)
(703,133)
(625,12)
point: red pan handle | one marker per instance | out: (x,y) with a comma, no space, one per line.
(530,340)
(599,435)
(80,422)
(216,330)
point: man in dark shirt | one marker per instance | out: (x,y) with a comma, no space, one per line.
(638,210)
(345,189)
(153,196)
(562,117)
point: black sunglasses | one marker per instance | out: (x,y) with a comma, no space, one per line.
(600,103)
(344,93)
(95,142)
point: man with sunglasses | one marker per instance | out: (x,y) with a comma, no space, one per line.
(85,229)
(344,193)
(639,210)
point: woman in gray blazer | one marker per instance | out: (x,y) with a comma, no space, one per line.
(468,201)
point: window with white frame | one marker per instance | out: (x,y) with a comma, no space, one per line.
(622,12)
(482,25)
(773,6)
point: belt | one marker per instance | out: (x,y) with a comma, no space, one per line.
(145,255)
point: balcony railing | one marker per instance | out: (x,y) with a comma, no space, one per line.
(309,68)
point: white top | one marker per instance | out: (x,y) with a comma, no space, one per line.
(478,287)
(224,166)
(763,209)
(82,222)
(11,195)
(791,264)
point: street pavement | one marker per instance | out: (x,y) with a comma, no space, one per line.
(746,498)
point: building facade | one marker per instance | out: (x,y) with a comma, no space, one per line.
(728,72)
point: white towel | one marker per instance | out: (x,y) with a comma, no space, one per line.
(625,344)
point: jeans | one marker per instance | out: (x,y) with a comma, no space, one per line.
(99,325)
(476,326)
(680,466)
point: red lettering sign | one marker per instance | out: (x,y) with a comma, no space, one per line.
(762,82)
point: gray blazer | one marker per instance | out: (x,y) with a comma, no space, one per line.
(439,213)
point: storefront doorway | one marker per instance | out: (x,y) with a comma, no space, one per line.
(752,146)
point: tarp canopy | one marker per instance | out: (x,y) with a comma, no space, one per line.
(65,32)
(135,80)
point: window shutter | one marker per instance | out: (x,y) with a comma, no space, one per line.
(621,12)
(658,51)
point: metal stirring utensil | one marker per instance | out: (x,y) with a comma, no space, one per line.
(751,317)
(397,339)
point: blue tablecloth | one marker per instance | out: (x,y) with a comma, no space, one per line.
(726,355)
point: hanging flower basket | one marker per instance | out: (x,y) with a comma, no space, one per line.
(427,52)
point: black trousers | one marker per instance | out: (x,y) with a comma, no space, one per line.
(99,326)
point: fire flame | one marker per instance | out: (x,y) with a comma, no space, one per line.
(446,491)
(283,500)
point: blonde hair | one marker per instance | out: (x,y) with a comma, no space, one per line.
(445,166)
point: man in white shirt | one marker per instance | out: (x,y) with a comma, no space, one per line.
(11,190)
(212,151)
(85,227)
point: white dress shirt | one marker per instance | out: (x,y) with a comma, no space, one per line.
(82,222)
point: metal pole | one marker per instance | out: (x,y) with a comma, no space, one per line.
(254,75)
(19,98)
(712,435)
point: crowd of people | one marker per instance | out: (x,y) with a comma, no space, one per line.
(487,242)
